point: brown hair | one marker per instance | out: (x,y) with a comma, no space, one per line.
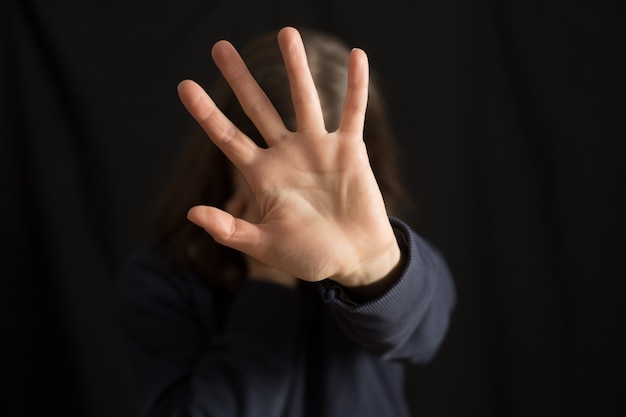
(203,175)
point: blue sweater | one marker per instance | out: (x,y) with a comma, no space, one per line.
(269,351)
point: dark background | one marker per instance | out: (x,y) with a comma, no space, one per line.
(510,117)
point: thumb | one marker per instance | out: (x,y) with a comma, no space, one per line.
(227,230)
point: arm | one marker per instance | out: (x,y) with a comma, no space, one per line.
(321,212)
(184,362)
(409,320)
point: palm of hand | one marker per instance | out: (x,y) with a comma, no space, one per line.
(321,211)
(320,206)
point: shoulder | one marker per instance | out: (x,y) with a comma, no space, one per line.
(149,281)
(163,315)
(147,269)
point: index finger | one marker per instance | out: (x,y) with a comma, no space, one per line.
(240,149)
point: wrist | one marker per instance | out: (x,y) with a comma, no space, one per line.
(258,271)
(375,271)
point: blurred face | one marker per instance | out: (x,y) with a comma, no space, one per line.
(242,203)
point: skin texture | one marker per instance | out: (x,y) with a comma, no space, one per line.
(317,211)
(243,205)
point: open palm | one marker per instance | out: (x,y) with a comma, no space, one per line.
(321,211)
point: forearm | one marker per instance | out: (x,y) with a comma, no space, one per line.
(410,318)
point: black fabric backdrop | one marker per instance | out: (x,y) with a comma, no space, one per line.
(510,116)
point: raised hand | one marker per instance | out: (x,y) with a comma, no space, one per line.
(321,211)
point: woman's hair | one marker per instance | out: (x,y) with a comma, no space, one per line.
(204,174)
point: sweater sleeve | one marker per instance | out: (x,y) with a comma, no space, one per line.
(410,320)
(183,363)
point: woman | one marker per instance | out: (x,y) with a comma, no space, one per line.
(298,294)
